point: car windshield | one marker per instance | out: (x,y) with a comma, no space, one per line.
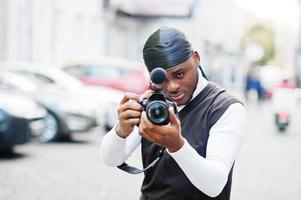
(48,76)
(104,72)
(65,79)
(15,81)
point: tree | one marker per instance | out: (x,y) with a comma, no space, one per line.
(263,35)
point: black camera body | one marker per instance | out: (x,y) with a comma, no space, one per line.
(156,106)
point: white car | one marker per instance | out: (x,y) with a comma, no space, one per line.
(101,103)
(63,117)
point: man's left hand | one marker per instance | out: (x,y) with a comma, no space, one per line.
(168,136)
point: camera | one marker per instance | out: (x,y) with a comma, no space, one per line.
(156,106)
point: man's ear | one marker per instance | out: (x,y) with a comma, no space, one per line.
(196,57)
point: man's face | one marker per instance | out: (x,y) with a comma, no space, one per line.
(182,79)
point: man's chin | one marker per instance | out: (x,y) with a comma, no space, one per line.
(182,102)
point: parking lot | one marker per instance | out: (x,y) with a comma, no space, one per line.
(69,170)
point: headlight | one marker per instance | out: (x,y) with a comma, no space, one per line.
(75,108)
(78,122)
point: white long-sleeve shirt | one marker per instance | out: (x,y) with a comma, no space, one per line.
(208,174)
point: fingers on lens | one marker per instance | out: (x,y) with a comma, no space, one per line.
(131,114)
(129,106)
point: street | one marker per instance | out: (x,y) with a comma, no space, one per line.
(267,168)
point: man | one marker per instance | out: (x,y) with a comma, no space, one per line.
(201,145)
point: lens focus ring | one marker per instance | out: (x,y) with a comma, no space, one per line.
(157,112)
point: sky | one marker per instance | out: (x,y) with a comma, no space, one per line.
(281,11)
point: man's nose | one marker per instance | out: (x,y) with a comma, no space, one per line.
(172,86)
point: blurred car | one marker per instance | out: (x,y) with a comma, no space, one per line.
(20,117)
(154,8)
(100,103)
(64,116)
(117,73)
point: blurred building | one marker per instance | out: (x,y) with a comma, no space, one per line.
(214,27)
(2,29)
(55,30)
(50,30)
(16,29)
(297,59)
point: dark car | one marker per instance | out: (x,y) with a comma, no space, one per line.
(20,118)
(13,130)
(121,74)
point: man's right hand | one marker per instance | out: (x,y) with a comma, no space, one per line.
(129,113)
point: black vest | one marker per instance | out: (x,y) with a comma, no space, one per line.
(166,180)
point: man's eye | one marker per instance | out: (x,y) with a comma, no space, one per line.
(180,75)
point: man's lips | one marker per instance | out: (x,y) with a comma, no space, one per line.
(177,97)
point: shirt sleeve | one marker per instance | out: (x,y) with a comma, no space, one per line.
(115,150)
(210,174)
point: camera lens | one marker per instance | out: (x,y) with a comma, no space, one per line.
(157,112)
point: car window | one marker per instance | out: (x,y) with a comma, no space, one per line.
(75,71)
(37,78)
(16,82)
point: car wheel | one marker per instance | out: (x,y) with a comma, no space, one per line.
(51,131)
(281,128)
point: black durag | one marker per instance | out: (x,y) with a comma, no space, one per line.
(165,48)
